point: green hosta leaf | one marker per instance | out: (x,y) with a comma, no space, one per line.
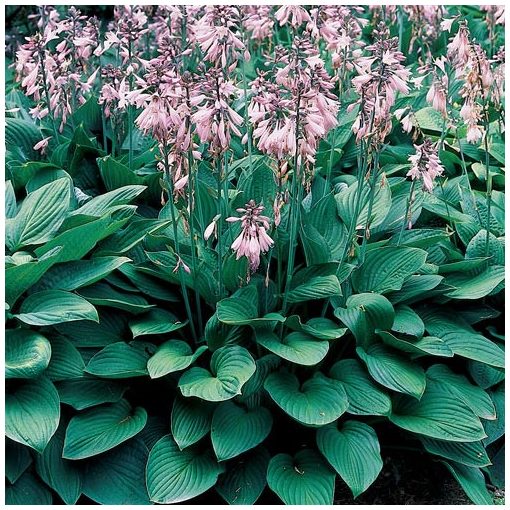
(364,396)
(484,375)
(497,469)
(73,275)
(245,479)
(118,476)
(475,287)
(99,429)
(296,347)
(429,119)
(155,322)
(318,401)
(32,413)
(17,460)
(304,479)
(459,386)
(55,306)
(231,367)
(100,205)
(60,474)
(393,371)
(19,278)
(66,362)
(241,309)
(102,294)
(121,360)
(39,216)
(28,491)
(386,269)
(416,288)
(462,339)
(407,321)
(235,430)
(318,287)
(172,356)
(347,200)
(354,452)
(190,421)
(364,313)
(471,479)
(174,476)
(149,285)
(496,428)
(27,353)
(470,454)
(84,393)
(11,208)
(438,414)
(320,327)
(265,365)
(425,345)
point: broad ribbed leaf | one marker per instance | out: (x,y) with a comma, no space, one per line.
(101,204)
(407,321)
(32,413)
(99,429)
(422,347)
(172,356)
(121,360)
(88,392)
(39,216)
(190,421)
(11,208)
(417,288)
(245,478)
(304,479)
(469,454)
(66,362)
(364,396)
(393,371)
(235,429)
(155,322)
(354,452)
(73,275)
(496,428)
(459,386)
(174,476)
(27,491)
(468,286)
(105,295)
(17,460)
(265,365)
(231,367)
(296,347)
(27,353)
(462,339)
(438,414)
(318,287)
(318,401)
(117,477)
(471,479)
(19,278)
(319,327)
(55,306)
(60,474)
(364,313)
(387,268)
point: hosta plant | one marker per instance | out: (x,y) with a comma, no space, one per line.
(252,250)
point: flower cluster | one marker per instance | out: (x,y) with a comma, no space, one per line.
(425,165)
(380,76)
(253,239)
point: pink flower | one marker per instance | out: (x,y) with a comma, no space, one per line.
(295,13)
(253,239)
(425,165)
(42,145)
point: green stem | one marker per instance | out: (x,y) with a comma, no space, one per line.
(219,173)
(488,179)
(408,213)
(130,111)
(373,182)
(184,290)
